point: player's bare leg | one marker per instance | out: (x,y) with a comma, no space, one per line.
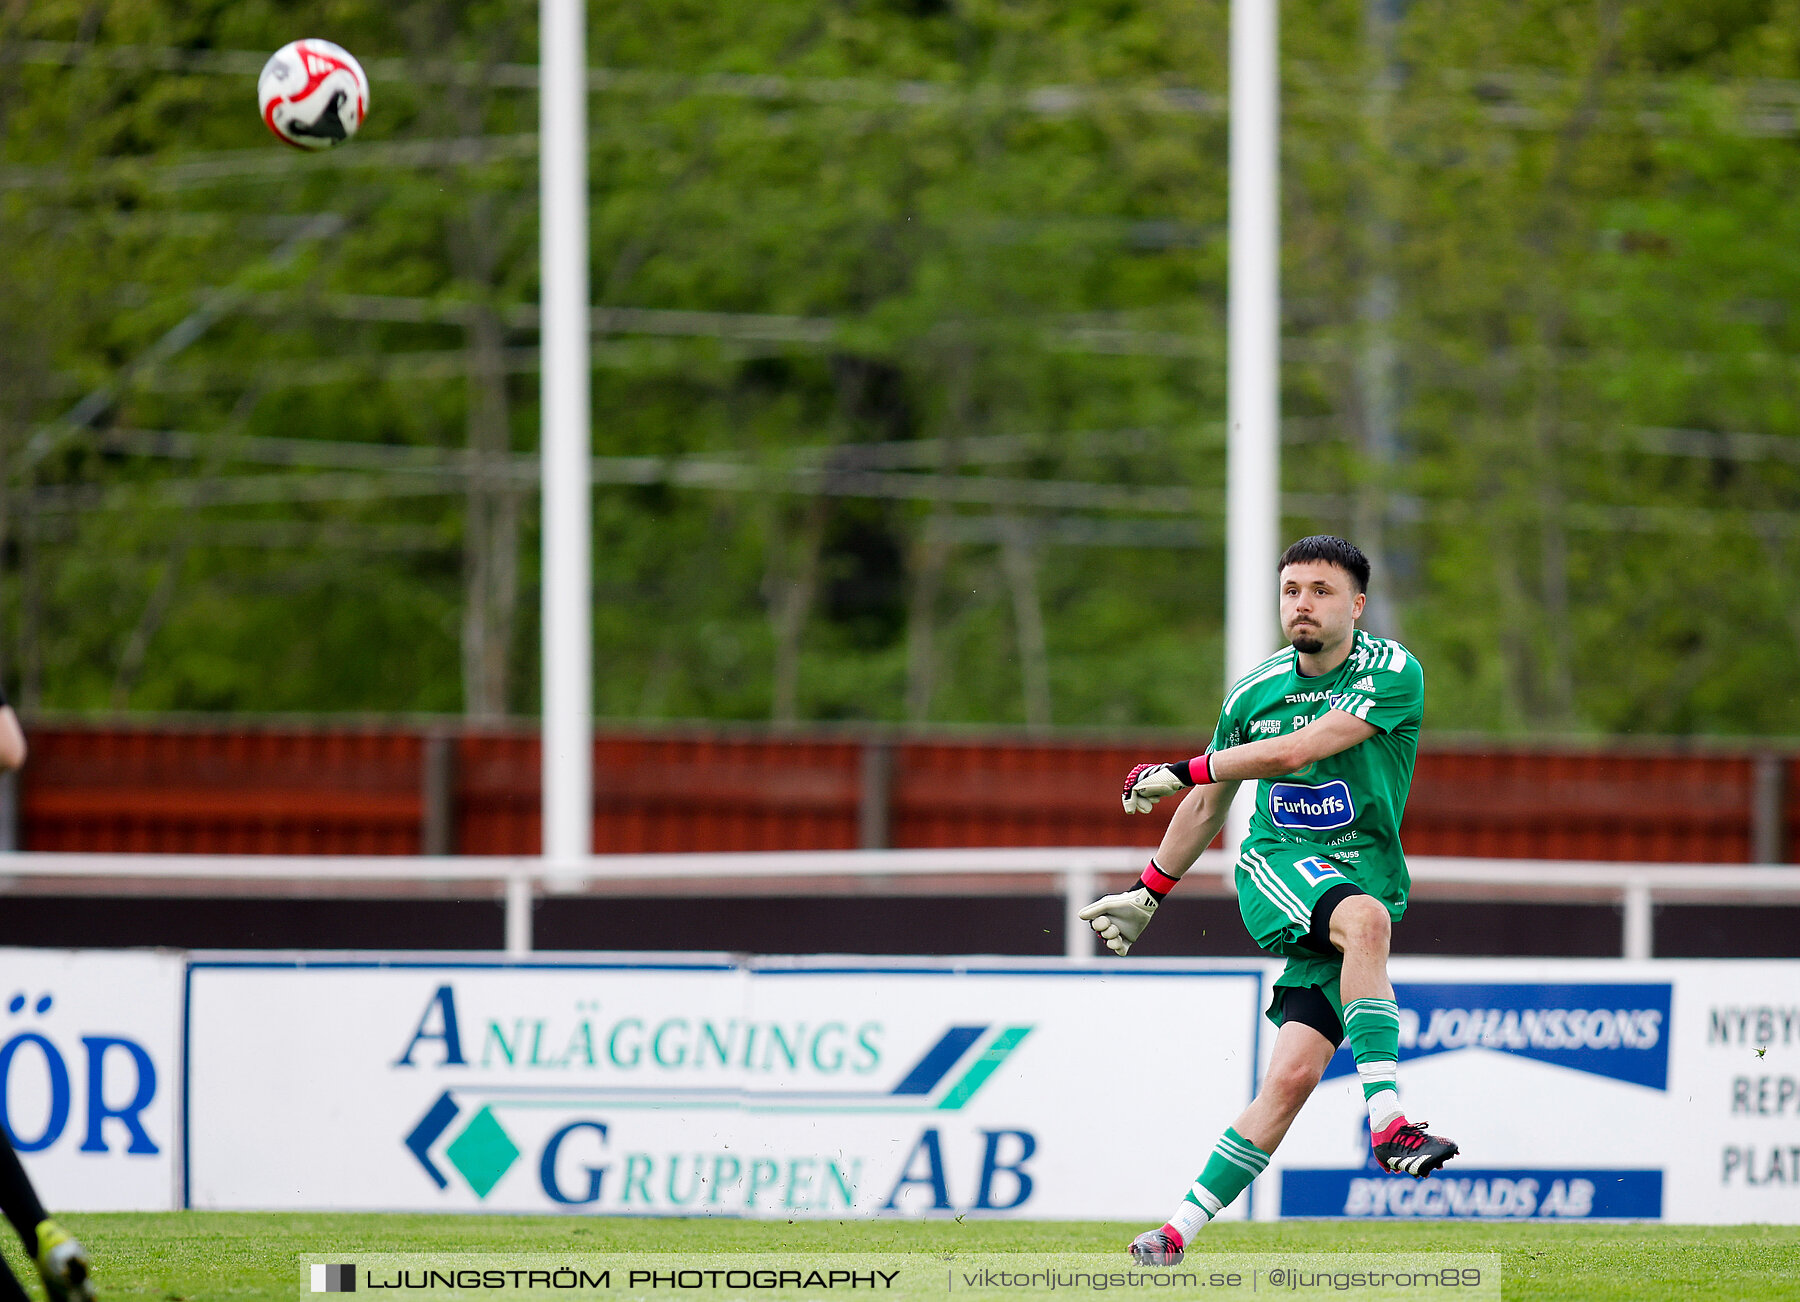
(1361,929)
(1296,1065)
(1298,1061)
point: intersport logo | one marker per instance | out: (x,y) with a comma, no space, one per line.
(1316,809)
(1614,1030)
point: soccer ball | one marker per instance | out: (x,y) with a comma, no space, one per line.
(313,94)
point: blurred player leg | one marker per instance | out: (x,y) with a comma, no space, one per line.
(60,1258)
(18,1200)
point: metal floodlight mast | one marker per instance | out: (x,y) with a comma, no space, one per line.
(568,724)
(1253,352)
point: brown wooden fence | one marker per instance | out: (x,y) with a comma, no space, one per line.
(365,790)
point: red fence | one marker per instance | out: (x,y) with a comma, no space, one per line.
(393,791)
(221,792)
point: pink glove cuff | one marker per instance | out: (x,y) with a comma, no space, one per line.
(1196,772)
(1156,881)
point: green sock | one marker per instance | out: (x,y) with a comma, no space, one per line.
(1373,1029)
(1229,1171)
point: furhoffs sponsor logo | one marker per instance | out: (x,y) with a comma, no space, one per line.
(1616,1030)
(1316,809)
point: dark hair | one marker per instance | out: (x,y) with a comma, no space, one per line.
(1346,556)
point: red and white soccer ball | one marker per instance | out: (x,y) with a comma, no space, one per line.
(313,94)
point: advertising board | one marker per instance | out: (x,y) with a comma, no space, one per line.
(90,1074)
(706,1086)
(1577,1089)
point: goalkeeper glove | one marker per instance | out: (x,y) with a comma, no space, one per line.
(63,1264)
(1148,783)
(1120,919)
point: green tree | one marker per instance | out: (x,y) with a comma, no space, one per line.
(909,357)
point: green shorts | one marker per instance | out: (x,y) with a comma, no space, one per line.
(1278,886)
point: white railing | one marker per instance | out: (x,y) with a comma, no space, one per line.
(1075,871)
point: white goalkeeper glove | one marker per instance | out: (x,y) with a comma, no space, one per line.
(1148,783)
(1120,919)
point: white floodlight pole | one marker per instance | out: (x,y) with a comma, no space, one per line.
(565,441)
(1253,353)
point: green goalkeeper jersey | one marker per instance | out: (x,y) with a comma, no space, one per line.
(1347,806)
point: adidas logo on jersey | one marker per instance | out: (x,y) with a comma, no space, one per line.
(1363,684)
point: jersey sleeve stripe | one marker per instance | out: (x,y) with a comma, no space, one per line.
(1285,656)
(1385,653)
(1282,654)
(1280,660)
(1270,669)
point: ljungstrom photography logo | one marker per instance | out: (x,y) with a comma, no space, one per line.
(334,1279)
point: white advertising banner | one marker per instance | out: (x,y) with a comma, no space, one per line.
(1577,1089)
(90,1076)
(827,1088)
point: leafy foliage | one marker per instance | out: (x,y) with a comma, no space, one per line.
(909,386)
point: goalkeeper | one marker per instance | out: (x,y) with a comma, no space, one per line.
(1328,727)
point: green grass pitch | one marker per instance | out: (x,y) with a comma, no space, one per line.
(222,1257)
